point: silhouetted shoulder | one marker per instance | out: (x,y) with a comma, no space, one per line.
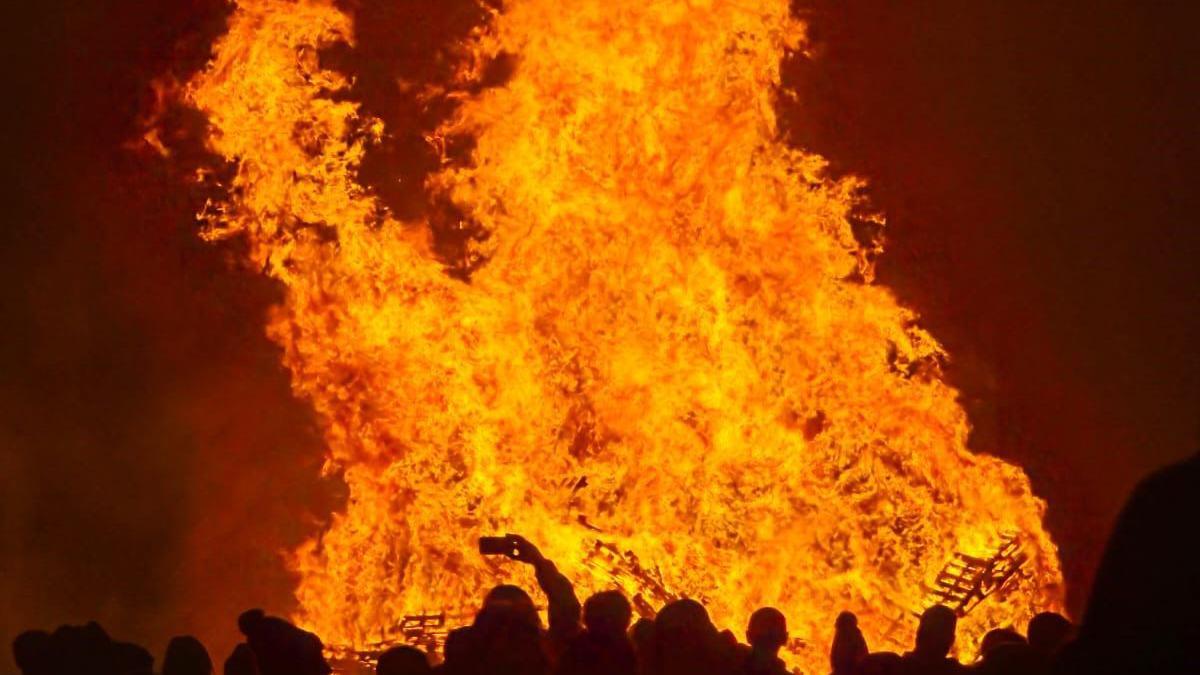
(1141,613)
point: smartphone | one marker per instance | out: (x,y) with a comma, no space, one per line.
(495,545)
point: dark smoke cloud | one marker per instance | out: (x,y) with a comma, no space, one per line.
(1034,162)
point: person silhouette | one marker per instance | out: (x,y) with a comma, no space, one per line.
(687,643)
(457,653)
(607,613)
(185,655)
(130,659)
(767,634)
(1141,616)
(642,636)
(80,649)
(31,652)
(241,661)
(935,637)
(1047,633)
(505,638)
(563,608)
(602,648)
(507,632)
(281,648)
(502,640)
(513,599)
(997,638)
(1004,651)
(849,646)
(402,660)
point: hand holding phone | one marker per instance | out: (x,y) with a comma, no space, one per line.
(495,546)
(512,545)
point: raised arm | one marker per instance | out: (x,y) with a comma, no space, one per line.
(564,607)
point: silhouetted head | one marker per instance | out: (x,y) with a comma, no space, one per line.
(186,656)
(130,659)
(935,634)
(683,624)
(79,648)
(507,594)
(767,630)
(249,619)
(281,648)
(996,638)
(607,613)
(31,651)
(505,639)
(642,635)
(684,615)
(509,599)
(1048,632)
(849,647)
(241,661)
(686,641)
(403,660)
(1010,658)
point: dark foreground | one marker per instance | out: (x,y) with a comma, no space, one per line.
(1142,618)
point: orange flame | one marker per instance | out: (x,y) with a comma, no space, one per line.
(667,346)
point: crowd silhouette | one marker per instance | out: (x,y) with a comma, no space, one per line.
(1141,618)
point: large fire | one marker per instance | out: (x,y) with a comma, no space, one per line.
(668,344)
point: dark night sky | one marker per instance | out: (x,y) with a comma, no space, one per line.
(1035,161)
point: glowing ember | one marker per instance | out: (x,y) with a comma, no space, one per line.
(666,344)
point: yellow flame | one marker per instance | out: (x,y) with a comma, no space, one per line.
(665,310)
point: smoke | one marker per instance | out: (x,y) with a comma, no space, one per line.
(154,463)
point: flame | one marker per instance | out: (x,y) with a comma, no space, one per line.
(669,342)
